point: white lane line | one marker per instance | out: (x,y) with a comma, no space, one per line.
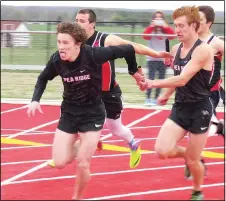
(24,147)
(7,181)
(14,109)
(27,134)
(49,132)
(23,162)
(107,141)
(33,129)
(153,192)
(105,129)
(18,130)
(106,173)
(96,156)
(134,122)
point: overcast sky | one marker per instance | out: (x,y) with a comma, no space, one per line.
(164,5)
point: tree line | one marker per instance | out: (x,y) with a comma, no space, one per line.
(36,13)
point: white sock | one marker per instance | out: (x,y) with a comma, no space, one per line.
(118,129)
(212,130)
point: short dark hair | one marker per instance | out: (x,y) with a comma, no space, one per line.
(92,15)
(74,30)
(208,12)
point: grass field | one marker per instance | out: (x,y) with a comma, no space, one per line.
(20,84)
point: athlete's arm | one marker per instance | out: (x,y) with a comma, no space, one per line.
(48,73)
(220,46)
(103,54)
(112,40)
(196,63)
(169,91)
(169,61)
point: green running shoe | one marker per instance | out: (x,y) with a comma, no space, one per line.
(135,155)
(197,195)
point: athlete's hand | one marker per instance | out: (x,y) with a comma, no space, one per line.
(139,75)
(32,107)
(169,62)
(144,85)
(162,100)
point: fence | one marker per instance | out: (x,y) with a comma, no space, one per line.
(42,44)
(34,47)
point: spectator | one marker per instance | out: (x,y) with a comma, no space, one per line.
(158,25)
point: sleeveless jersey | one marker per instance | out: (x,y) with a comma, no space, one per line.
(108,68)
(216,79)
(198,87)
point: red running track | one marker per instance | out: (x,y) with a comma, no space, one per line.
(112,178)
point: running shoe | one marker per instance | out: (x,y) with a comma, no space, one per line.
(197,195)
(135,154)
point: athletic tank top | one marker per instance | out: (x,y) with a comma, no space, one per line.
(108,68)
(216,79)
(198,87)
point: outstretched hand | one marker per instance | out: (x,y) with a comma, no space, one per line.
(143,85)
(139,75)
(146,84)
(32,107)
(169,62)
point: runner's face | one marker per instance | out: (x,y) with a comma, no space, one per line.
(83,20)
(66,46)
(183,29)
(204,26)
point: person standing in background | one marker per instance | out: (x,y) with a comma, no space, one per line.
(159,43)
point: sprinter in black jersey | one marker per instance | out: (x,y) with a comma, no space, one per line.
(193,109)
(111,92)
(207,16)
(82,109)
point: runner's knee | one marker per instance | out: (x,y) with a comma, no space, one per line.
(161,152)
(61,162)
(192,161)
(83,163)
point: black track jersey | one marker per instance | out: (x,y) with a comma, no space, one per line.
(82,77)
(198,88)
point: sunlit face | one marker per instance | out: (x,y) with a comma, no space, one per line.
(204,26)
(66,46)
(83,20)
(183,29)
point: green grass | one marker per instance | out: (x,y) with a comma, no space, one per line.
(20,84)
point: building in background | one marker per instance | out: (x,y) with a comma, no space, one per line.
(15,39)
